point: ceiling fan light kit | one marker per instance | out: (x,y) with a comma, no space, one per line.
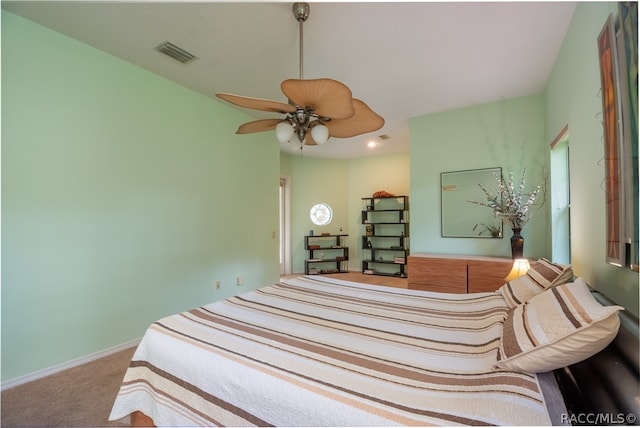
(284,131)
(317,109)
(320,134)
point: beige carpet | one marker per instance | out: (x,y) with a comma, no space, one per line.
(78,397)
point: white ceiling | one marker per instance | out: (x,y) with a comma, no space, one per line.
(402,59)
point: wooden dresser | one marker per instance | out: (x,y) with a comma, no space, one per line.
(454,273)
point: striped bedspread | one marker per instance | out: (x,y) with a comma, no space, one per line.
(316,351)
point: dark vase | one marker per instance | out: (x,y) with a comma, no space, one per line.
(517,244)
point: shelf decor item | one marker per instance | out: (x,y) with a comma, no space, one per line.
(382,194)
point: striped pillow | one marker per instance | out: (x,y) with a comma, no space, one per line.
(560,327)
(542,275)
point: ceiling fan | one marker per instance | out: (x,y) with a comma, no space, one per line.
(317,108)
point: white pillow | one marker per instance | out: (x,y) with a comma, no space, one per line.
(542,275)
(562,326)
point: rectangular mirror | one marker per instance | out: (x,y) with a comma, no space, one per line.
(461,218)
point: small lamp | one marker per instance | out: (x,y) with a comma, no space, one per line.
(520,267)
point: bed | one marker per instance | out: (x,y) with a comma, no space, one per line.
(318,351)
(606,385)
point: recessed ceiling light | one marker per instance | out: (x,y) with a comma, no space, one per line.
(372,144)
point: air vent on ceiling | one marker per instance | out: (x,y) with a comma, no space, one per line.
(175,52)
(384,137)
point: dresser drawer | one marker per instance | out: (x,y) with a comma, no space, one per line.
(449,273)
(433,274)
(487,275)
(440,288)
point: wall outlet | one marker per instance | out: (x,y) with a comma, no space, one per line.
(240,280)
(217,285)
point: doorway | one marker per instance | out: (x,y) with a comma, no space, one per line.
(285,227)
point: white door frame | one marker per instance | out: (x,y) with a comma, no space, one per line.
(285,226)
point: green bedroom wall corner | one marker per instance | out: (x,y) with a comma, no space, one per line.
(572,98)
(315,180)
(505,133)
(366,176)
(341,183)
(124,198)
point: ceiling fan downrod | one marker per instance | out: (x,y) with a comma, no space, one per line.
(301,13)
(301,118)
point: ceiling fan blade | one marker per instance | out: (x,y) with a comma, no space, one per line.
(258,126)
(328,97)
(364,120)
(257,103)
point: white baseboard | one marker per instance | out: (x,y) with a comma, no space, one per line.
(39,374)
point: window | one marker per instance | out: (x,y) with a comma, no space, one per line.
(560,199)
(321,214)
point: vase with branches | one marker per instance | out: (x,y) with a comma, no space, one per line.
(513,203)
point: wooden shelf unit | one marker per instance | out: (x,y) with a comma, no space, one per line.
(385,241)
(452,273)
(326,254)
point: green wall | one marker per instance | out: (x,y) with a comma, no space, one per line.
(572,98)
(366,176)
(124,197)
(341,184)
(314,180)
(516,133)
(507,134)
